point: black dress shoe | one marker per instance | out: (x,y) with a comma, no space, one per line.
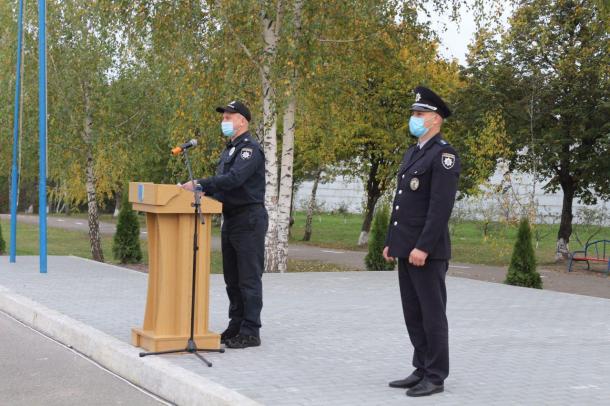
(425,388)
(243,341)
(409,382)
(229,333)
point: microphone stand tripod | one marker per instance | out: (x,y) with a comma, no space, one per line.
(191,346)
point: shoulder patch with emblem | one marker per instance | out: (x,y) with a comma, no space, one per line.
(246,153)
(448,160)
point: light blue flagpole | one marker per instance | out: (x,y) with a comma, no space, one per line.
(15,167)
(42,131)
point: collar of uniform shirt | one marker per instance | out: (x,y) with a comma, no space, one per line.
(421,145)
(237,140)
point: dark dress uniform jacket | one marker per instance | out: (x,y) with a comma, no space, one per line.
(240,175)
(427,185)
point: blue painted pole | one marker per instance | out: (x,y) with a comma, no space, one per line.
(42,131)
(15,166)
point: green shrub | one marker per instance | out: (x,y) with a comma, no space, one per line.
(126,244)
(522,268)
(2,243)
(374,259)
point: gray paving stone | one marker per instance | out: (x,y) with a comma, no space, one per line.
(338,338)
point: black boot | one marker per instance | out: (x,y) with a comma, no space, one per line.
(409,382)
(425,388)
(243,341)
(229,333)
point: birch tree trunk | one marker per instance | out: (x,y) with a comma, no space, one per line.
(270,38)
(286,176)
(286,179)
(311,206)
(117,203)
(373,193)
(278,189)
(90,181)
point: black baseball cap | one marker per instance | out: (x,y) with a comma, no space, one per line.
(235,107)
(427,100)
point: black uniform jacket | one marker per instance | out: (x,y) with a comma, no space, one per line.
(240,175)
(427,185)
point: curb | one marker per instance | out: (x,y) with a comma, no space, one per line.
(158,376)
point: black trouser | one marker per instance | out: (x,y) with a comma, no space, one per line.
(243,257)
(424,302)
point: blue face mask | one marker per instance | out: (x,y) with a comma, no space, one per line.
(227,128)
(416,126)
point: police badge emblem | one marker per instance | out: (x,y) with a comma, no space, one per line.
(246,153)
(448,160)
(414,184)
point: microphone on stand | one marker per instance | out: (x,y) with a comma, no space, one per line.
(178,150)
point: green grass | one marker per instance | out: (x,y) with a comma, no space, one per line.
(68,242)
(329,230)
(106,218)
(469,244)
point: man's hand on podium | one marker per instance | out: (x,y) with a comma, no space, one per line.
(189,186)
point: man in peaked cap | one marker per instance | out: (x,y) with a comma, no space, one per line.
(418,236)
(240,185)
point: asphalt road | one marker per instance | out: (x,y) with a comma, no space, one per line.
(36,370)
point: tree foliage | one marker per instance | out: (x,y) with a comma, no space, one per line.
(329,85)
(548,75)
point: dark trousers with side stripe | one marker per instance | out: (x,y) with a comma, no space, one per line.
(424,303)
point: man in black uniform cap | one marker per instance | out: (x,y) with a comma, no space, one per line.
(240,185)
(418,235)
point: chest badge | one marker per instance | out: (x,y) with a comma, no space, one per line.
(448,160)
(246,153)
(231,151)
(414,184)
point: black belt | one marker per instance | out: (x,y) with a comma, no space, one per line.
(241,209)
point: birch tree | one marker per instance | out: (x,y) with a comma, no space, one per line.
(81,49)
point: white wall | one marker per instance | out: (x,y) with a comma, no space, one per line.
(350,192)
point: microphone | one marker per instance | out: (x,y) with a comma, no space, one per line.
(178,150)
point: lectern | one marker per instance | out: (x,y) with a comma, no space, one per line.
(170,224)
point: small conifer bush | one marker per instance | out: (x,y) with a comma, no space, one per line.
(522,268)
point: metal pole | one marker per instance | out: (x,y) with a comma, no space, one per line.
(15,169)
(42,131)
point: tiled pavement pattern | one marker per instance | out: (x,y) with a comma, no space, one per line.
(338,338)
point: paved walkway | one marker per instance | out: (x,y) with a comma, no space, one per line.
(338,338)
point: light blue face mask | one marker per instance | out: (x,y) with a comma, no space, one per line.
(227,128)
(416,126)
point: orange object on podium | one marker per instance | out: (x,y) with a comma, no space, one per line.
(170,223)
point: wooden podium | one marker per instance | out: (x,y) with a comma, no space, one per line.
(170,224)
